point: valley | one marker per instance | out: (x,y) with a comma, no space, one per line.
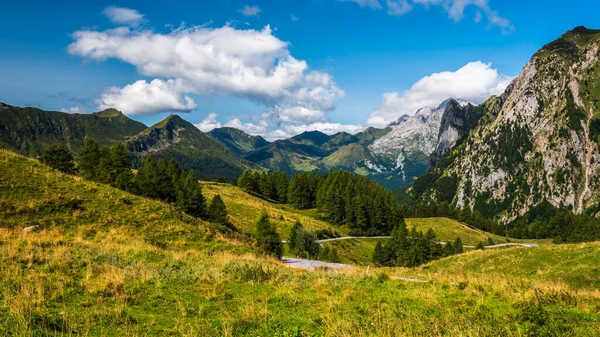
(156,271)
(225,194)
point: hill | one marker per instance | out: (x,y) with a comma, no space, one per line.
(191,148)
(116,264)
(29,130)
(237,141)
(535,144)
(245,208)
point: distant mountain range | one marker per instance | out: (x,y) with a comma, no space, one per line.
(393,156)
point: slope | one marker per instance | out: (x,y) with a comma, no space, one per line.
(115,268)
(237,141)
(29,130)
(245,208)
(536,143)
(191,148)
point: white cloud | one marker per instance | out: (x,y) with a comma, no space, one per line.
(250,10)
(253,64)
(123,16)
(365,3)
(209,123)
(398,7)
(474,82)
(328,128)
(74,110)
(454,8)
(254,128)
(147,98)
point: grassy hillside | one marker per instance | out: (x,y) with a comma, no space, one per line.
(245,208)
(566,267)
(116,264)
(29,130)
(448,229)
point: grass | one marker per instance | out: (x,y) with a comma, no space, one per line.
(355,251)
(244,209)
(449,229)
(138,267)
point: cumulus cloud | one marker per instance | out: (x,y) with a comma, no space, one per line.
(475,82)
(74,110)
(454,8)
(209,123)
(250,10)
(147,98)
(260,126)
(328,128)
(123,16)
(365,3)
(252,64)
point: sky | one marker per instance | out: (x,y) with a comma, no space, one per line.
(274,68)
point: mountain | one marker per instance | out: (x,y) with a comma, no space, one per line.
(237,141)
(190,147)
(317,151)
(302,152)
(29,130)
(537,143)
(402,155)
(458,119)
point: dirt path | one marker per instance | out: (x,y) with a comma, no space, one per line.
(528,245)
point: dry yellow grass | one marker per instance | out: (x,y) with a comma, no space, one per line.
(244,209)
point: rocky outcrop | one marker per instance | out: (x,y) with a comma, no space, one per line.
(458,119)
(536,143)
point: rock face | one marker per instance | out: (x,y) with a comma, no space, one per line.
(458,119)
(537,142)
(402,155)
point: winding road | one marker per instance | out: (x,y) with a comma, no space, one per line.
(314,264)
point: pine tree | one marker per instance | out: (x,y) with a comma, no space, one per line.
(293,239)
(103,174)
(190,198)
(58,156)
(267,238)
(119,160)
(89,159)
(458,246)
(217,211)
(379,254)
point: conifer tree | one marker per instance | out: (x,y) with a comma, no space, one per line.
(190,198)
(58,156)
(89,159)
(458,246)
(217,211)
(119,160)
(293,239)
(267,238)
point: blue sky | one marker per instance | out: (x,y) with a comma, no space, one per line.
(271,67)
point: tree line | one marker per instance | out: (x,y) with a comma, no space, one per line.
(465,215)
(560,224)
(413,248)
(157,179)
(340,197)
